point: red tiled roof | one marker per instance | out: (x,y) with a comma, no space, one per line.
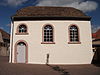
(93,35)
(96,35)
(49,11)
(5,34)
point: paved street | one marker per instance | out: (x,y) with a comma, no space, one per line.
(36,69)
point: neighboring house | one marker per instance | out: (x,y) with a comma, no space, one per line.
(96,35)
(4,43)
(96,46)
(54,35)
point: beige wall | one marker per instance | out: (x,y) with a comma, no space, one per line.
(4,51)
(1,40)
(61,52)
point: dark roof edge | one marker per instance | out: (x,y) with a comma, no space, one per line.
(21,18)
(96,45)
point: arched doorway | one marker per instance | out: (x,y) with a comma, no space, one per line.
(21,52)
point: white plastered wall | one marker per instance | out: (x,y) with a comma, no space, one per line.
(61,52)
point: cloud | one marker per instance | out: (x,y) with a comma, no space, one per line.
(56,2)
(83,5)
(95,28)
(12,2)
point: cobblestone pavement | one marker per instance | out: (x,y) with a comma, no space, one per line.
(37,69)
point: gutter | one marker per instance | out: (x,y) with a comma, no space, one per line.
(12,38)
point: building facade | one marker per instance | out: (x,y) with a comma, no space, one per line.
(52,35)
(96,47)
(4,43)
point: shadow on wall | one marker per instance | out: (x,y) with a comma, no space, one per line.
(58,69)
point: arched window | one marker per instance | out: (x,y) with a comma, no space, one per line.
(48,34)
(74,34)
(22,29)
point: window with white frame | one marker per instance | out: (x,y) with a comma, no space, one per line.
(48,33)
(74,35)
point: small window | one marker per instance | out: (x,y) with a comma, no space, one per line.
(74,34)
(22,29)
(48,34)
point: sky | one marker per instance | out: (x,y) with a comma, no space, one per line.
(9,7)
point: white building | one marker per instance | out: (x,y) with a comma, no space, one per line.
(54,35)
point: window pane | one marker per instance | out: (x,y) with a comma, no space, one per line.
(44,33)
(44,39)
(51,40)
(44,36)
(51,36)
(51,33)
(48,40)
(48,37)
(19,30)
(47,33)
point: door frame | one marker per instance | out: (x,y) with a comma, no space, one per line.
(26,52)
